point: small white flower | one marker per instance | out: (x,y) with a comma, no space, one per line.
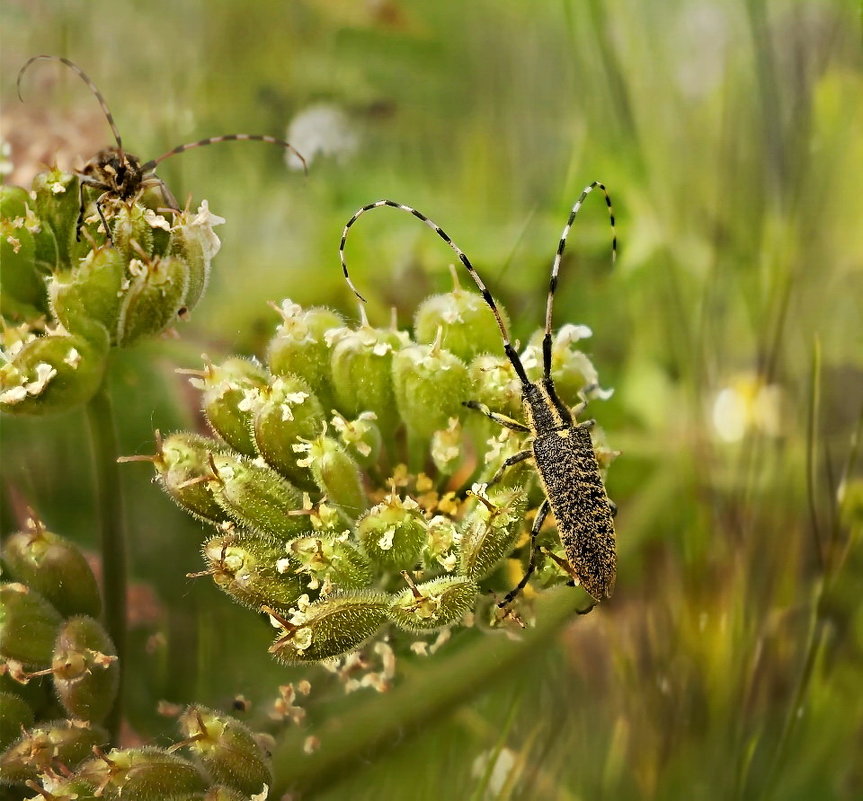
(57,188)
(155,220)
(44,373)
(73,358)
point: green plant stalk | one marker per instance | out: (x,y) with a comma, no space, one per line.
(428,695)
(103,439)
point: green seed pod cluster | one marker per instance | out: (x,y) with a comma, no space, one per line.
(50,645)
(339,483)
(70,290)
(63,758)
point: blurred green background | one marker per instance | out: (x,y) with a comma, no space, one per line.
(729,664)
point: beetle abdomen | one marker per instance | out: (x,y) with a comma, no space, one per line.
(570,475)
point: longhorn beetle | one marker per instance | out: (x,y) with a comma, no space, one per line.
(561,448)
(118,174)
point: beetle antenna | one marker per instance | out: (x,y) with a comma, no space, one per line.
(84,77)
(555,269)
(214,140)
(486,295)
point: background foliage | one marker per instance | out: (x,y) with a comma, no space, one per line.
(728,663)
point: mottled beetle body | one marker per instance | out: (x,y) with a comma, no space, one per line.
(564,457)
(117,174)
(560,447)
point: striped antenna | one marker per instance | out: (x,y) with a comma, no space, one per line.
(214,140)
(84,77)
(486,295)
(555,269)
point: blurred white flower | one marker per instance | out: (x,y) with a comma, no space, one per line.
(747,404)
(321,129)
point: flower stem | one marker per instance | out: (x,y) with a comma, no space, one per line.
(103,438)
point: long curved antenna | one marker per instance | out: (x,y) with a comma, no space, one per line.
(214,140)
(486,295)
(555,269)
(84,77)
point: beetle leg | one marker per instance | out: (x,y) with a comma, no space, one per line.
(541,514)
(500,419)
(586,424)
(509,462)
(102,217)
(573,582)
(167,194)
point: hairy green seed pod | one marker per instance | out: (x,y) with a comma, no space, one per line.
(361,437)
(330,627)
(227,749)
(430,386)
(467,324)
(14,201)
(92,290)
(155,295)
(230,390)
(54,567)
(257,497)
(433,604)
(56,203)
(84,668)
(490,530)
(330,561)
(393,533)
(493,382)
(254,570)
(300,347)
(336,474)
(362,374)
(54,373)
(192,239)
(183,471)
(28,625)
(285,411)
(129,225)
(15,715)
(21,284)
(143,774)
(63,742)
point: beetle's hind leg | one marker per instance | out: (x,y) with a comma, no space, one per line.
(541,514)
(573,581)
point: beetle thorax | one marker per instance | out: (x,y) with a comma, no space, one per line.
(118,172)
(539,409)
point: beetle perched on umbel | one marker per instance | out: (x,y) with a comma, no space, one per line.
(560,447)
(119,175)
